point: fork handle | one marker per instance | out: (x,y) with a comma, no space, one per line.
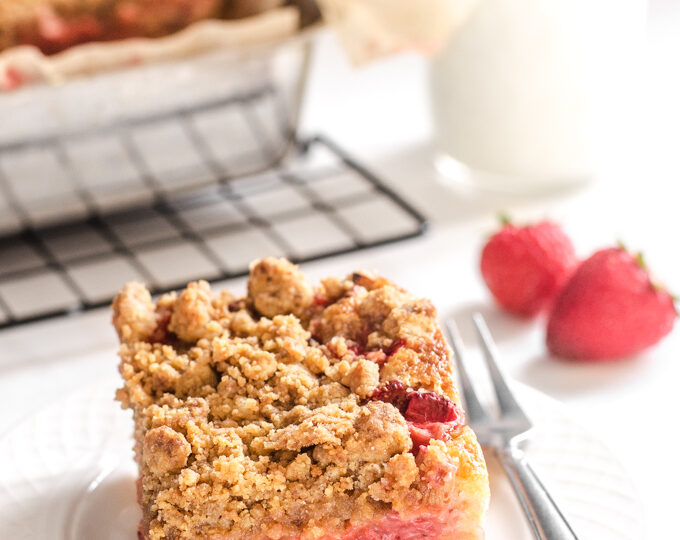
(545,518)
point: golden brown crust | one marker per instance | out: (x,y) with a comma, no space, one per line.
(252,418)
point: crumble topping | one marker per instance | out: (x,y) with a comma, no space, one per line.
(165,450)
(262,415)
(276,288)
(133,313)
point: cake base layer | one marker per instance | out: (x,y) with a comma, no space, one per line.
(443,525)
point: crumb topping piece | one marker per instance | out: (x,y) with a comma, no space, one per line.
(165,450)
(263,415)
(134,316)
(276,286)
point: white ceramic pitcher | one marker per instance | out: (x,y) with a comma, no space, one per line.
(530,94)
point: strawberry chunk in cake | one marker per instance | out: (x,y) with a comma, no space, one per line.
(296,413)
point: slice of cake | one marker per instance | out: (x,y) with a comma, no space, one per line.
(296,412)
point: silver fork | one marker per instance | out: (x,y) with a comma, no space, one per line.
(504,433)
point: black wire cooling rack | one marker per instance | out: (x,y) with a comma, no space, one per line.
(193,215)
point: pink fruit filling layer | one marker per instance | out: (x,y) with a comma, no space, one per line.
(429,524)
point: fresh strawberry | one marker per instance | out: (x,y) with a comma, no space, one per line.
(525,267)
(609,309)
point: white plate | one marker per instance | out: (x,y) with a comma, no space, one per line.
(67,473)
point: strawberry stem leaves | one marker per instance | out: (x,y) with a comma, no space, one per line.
(504,218)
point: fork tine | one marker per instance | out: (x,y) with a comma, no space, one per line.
(475,411)
(506,400)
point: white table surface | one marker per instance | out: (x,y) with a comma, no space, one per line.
(380,113)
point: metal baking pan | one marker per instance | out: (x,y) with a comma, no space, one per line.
(116,139)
